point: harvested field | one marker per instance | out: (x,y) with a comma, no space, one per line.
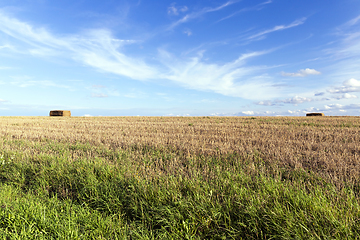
(329,146)
(202,165)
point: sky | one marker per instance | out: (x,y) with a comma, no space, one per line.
(180,58)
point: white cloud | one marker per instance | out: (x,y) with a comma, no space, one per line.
(269,112)
(232,79)
(294,100)
(302,73)
(266,103)
(291,112)
(96,48)
(351,85)
(349,48)
(297,100)
(345,96)
(5,46)
(278,28)
(248,112)
(103,53)
(198,14)
(340,106)
(346,55)
(187,32)
(183,9)
(328,110)
(177,115)
(173,10)
(256,7)
(100,50)
(2,100)
(352,22)
(87,115)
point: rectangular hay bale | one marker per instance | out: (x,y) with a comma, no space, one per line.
(314,114)
(60,113)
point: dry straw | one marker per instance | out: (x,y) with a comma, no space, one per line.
(314,114)
(60,113)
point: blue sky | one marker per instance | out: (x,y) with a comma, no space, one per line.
(186,58)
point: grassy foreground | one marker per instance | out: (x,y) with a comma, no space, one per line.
(51,189)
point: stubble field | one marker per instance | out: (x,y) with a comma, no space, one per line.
(180,178)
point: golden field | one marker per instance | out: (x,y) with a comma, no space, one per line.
(179,177)
(329,146)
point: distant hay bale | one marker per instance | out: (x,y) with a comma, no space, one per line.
(314,114)
(60,113)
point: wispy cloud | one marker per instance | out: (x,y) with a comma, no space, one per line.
(5,46)
(232,78)
(96,48)
(198,14)
(301,73)
(260,35)
(174,10)
(100,50)
(256,7)
(345,54)
(349,47)
(352,22)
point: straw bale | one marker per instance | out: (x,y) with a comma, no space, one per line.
(60,113)
(314,114)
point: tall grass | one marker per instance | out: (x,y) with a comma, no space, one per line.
(68,190)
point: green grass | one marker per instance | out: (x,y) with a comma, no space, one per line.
(56,190)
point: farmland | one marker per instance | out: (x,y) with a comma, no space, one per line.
(180,177)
